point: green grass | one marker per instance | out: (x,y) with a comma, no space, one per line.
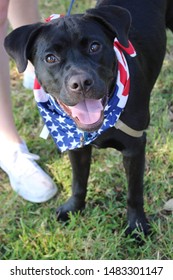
(30,231)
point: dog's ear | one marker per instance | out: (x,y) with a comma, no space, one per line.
(115,18)
(18,41)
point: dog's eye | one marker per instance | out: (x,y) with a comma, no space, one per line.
(94,47)
(50,58)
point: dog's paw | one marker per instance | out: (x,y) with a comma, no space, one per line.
(71,206)
(138,228)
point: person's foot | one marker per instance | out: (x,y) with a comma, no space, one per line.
(26,176)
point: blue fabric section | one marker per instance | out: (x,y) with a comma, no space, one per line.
(63,129)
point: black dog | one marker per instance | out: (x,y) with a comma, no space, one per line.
(75,62)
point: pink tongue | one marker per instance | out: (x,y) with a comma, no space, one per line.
(87,111)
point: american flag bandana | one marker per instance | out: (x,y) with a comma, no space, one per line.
(62,128)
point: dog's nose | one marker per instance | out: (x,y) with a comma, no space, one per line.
(80,82)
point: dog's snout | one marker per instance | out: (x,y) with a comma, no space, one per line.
(80,82)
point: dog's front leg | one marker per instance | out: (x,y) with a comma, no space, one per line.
(80,161)
(134,163)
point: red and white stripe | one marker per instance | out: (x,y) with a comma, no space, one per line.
(123,78)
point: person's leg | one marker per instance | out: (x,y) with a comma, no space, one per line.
(21,12)
(7,128)
(26,177)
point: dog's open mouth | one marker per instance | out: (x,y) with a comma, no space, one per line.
(87,114)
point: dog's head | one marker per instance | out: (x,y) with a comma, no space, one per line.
(74,59)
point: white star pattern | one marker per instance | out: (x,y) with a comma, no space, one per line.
(47,118)
(63,148)
(41,109)
(53,128)
(59,138)
(107,107)
(73,144)
(105,121)
(69,126)
(61,119)
(70,134)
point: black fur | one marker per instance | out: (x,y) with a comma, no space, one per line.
(70,40)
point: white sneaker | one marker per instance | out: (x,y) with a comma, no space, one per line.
(26,176)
